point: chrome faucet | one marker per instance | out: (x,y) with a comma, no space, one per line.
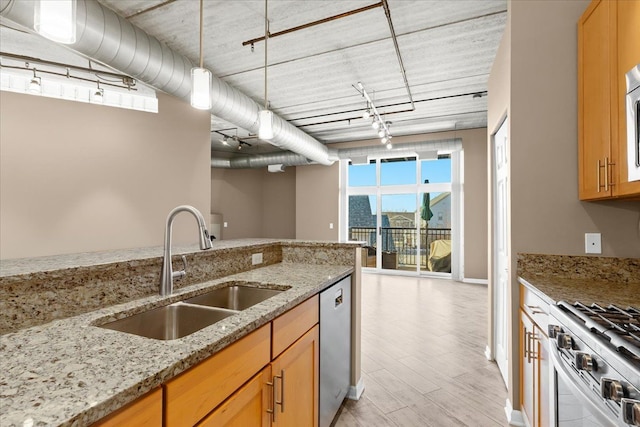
(166,279)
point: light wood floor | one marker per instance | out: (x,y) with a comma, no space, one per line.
(423,362)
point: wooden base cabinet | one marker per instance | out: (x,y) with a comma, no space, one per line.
(296,383)
(249,406)
(608,46)
(145,411)
(535,387)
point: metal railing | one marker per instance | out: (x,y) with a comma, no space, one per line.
(402,241)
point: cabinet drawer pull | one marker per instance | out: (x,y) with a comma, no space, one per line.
(272,410)
(609,172)
(281,391)
(535,309)
(598,175)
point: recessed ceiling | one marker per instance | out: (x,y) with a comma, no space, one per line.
(447,49)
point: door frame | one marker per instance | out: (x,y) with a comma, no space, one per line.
(457,213)
(501,357)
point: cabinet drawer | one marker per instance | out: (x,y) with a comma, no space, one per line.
(293,324)
(537,308)
(145,411)
(196,392)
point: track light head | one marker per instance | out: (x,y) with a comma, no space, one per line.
(375,124)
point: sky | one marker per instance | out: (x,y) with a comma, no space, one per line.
(398,173)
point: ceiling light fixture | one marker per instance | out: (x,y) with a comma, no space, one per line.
(200,76)
(265,117)
(98,95)
(56,20)
(378,123)
(35,85)
(366,114)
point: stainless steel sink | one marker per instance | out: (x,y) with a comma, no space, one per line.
(170,322)
(234,296)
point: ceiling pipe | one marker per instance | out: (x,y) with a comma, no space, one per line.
(291,159)
(110,39)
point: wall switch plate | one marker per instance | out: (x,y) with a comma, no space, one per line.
(225,224)
(593,243)
(330,226)
(256,258)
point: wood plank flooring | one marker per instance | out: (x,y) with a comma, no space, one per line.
(423,362)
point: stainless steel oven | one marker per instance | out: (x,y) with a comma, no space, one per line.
(595,355)
(633,123)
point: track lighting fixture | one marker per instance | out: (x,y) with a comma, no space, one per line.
(56,20)
(35,85)
(366,114)
(377,123)
(200,76)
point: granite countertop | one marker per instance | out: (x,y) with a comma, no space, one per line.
(12,267)
(69,372)
(586,291)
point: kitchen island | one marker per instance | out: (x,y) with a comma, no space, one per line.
(69,371)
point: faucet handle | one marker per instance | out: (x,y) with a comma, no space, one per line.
(181,273)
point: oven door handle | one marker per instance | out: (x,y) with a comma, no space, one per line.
(581,389)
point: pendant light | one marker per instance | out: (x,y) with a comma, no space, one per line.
(265,117)
(56,20)
(201,77)
(35,85)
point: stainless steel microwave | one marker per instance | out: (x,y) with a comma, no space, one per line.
(633,123)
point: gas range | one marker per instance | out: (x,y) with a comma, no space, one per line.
(597,351)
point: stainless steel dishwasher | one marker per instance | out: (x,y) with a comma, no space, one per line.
(335,348)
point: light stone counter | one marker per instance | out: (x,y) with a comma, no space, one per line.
(587,279)
(70,372)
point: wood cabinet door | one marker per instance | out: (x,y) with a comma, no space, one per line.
(594,101)
(145,411)
(544,391)
(296,378)
(627,15)
(527,369)
(246,407)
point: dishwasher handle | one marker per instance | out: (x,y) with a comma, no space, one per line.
(338,298)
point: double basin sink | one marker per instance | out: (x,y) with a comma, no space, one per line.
(185,317)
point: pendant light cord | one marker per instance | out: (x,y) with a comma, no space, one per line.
(266,38)
(201,24)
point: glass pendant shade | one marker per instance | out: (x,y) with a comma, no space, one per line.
(56,20)
(201,88)
(265,131)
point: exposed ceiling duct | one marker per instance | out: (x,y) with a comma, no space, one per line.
(290,159)
(106,37)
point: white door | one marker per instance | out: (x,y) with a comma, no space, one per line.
(500,245)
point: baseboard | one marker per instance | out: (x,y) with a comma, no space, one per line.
(488,353)
(356,391)
(476,281)
(513,417)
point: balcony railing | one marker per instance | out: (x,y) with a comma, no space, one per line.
(402,241)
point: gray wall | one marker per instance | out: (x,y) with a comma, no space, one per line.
(77,177)
(254,202)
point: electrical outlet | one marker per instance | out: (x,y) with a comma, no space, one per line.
(593,243)
(256,258)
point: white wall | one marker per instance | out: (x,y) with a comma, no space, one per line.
(78,177)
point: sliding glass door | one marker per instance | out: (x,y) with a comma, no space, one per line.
(401,208)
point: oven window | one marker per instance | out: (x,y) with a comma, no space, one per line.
(571,410)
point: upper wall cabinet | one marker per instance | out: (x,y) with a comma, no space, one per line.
(608,47)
